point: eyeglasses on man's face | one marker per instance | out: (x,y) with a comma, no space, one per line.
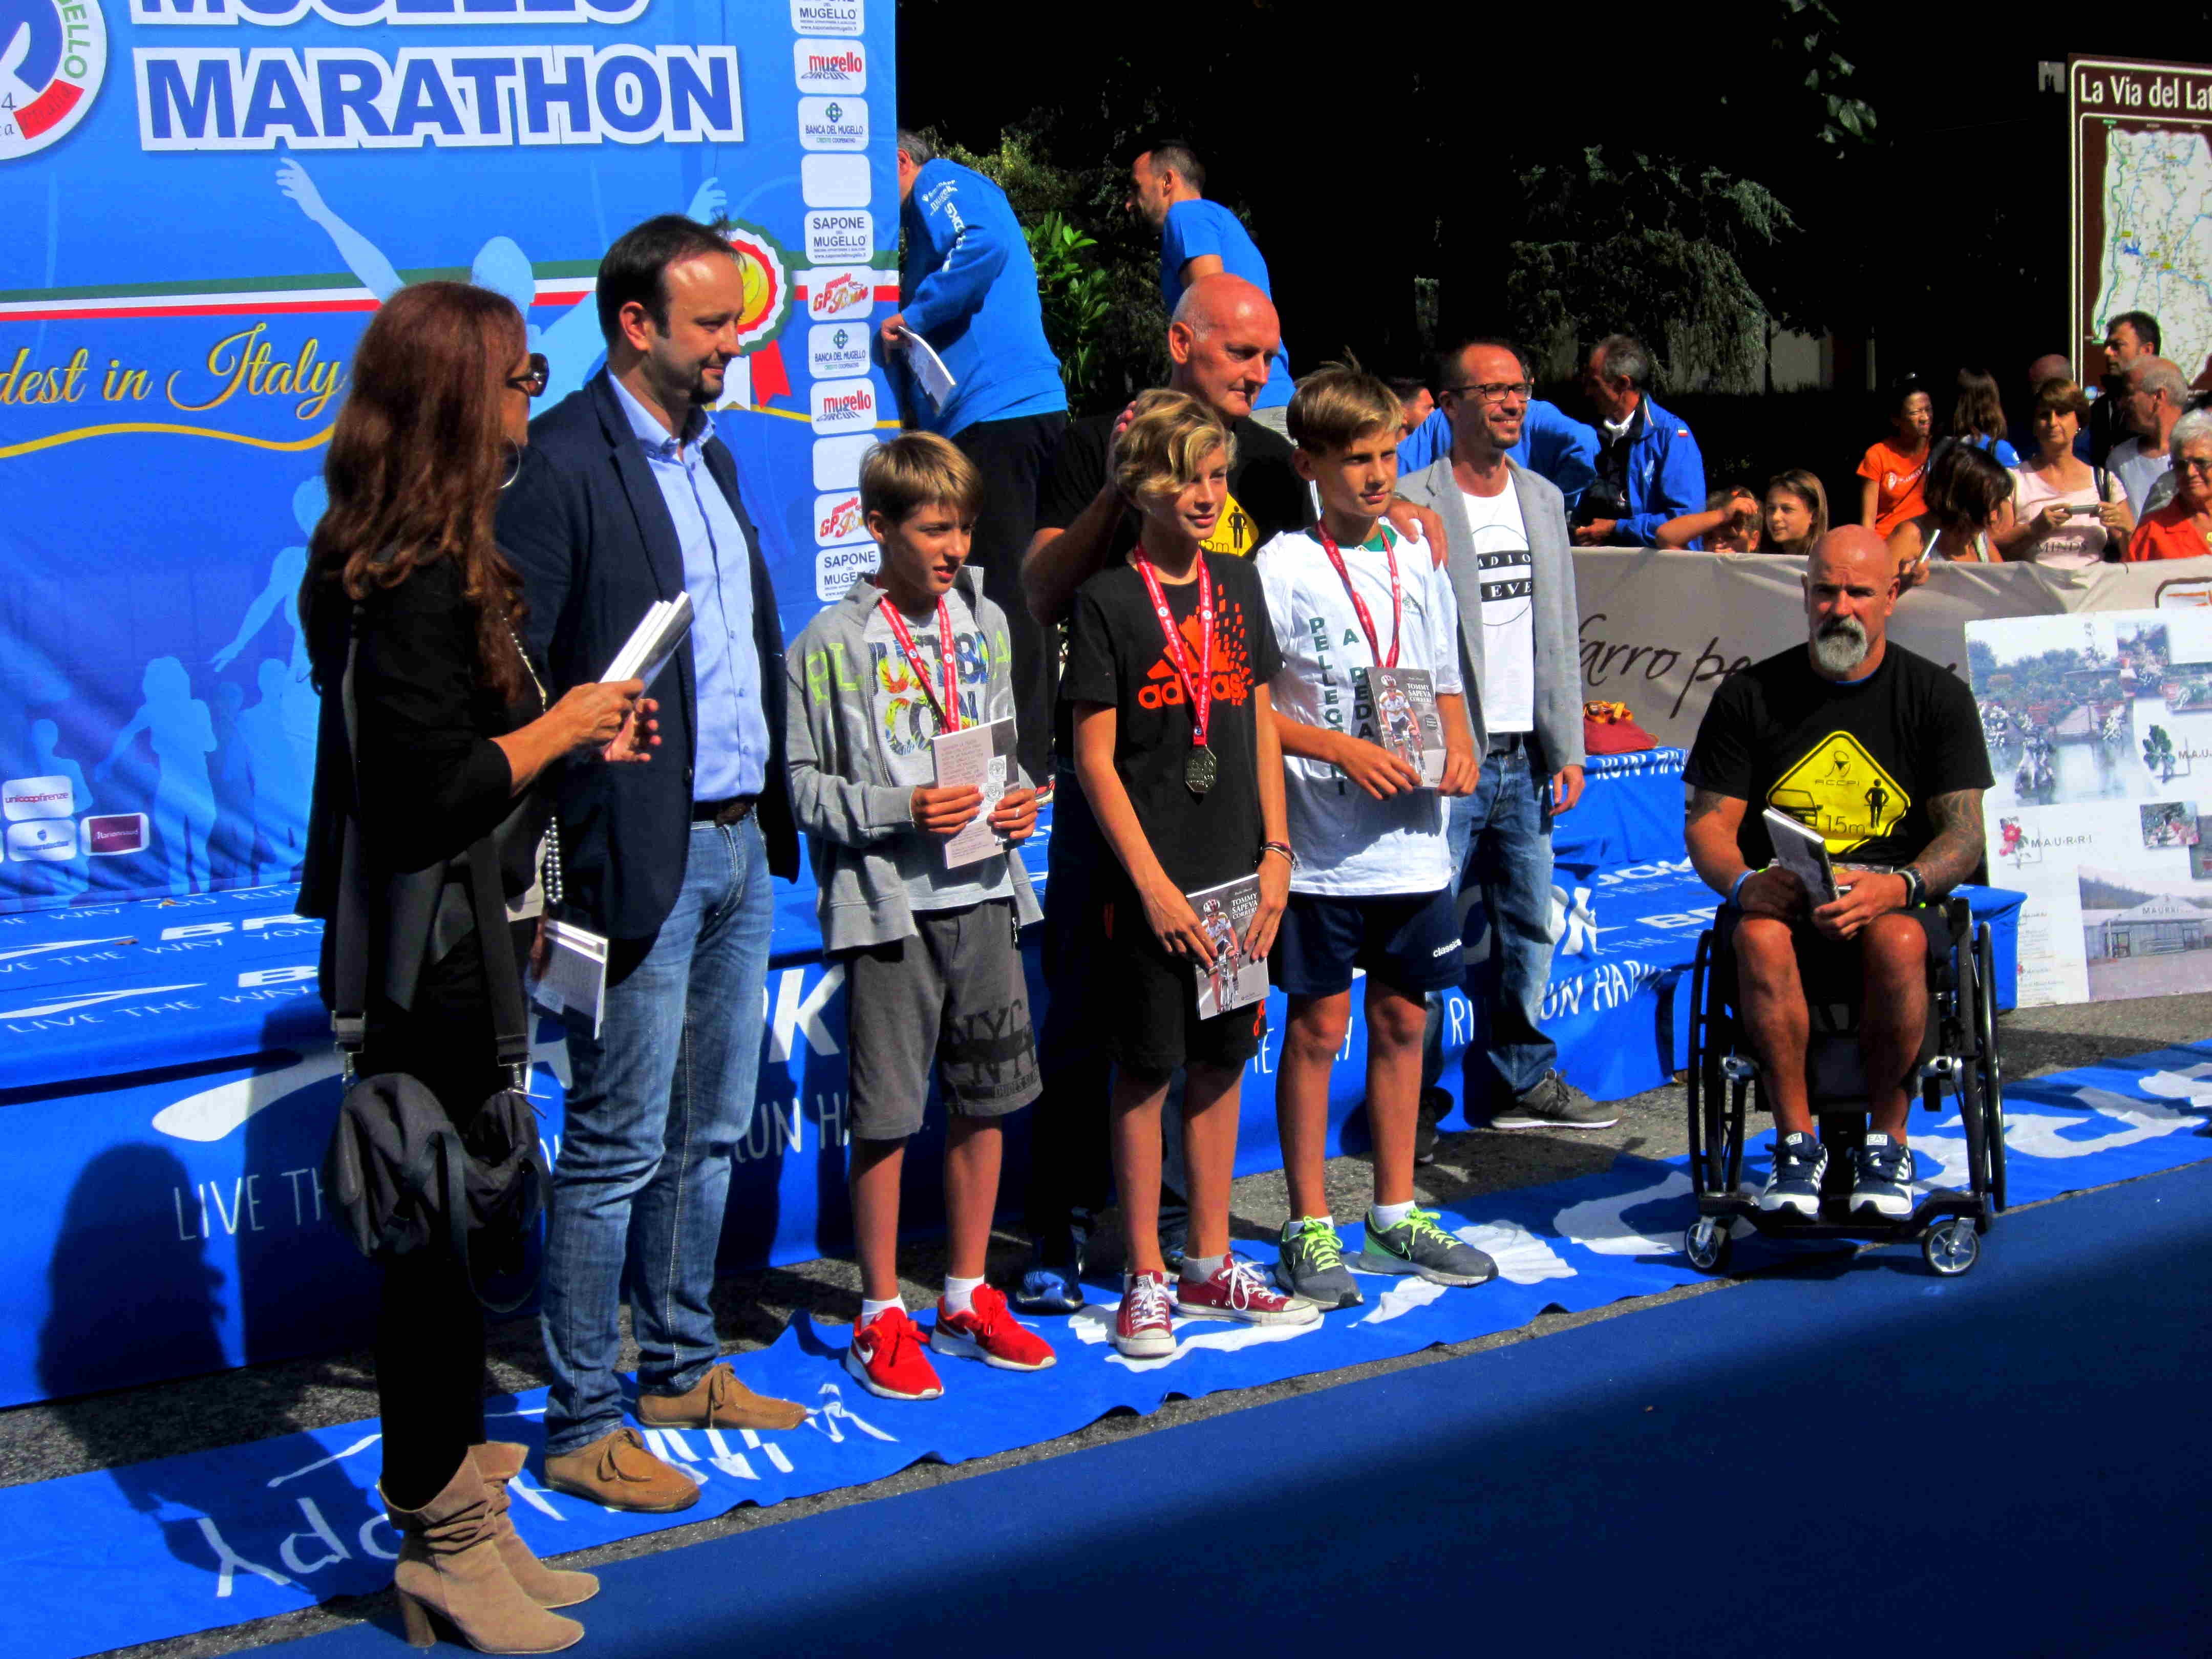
(1492,392)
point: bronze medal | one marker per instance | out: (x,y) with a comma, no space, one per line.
(1199,771)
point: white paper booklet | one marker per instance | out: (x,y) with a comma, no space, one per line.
(980,756)
(929,370)
(1400,706)
(1803,852)
(1234,980)
(653,641)
(575,979)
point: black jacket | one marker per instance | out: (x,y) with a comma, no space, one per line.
(586,523)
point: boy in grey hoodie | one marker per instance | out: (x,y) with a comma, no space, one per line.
(931,948)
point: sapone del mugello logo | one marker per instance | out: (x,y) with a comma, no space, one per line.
(53,55)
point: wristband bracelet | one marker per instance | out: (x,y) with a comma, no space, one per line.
(1738,886)
(1288,857)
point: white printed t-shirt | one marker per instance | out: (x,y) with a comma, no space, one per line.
(1349,844)
(1508,605)
(905,722)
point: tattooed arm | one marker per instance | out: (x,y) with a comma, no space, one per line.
(1955,853)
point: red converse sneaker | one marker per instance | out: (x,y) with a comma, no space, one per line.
(989,1331)
(1145,1327)
(1240,1291)
(885,1357)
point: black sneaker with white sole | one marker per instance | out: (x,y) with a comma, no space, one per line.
(1800,1162)
(1552,1105)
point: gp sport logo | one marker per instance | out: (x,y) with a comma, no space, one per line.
(53,54)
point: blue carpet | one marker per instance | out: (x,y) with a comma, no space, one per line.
(181,1544)
(2011,1463)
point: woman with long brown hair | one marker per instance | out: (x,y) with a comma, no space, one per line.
(406,584)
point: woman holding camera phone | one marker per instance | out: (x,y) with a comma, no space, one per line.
(2068,514)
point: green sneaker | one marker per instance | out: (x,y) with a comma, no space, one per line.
(1312,1265)
(1418,1245)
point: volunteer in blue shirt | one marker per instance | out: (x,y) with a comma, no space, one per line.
(1198,237)
(1553,445)
(1649,470)
(971,292)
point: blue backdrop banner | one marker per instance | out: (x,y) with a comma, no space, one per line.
(205,201)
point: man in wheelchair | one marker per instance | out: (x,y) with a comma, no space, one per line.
(1880,751)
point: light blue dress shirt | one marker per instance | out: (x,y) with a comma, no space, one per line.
(733,731)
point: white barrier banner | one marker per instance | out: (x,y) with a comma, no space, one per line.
(1660,630)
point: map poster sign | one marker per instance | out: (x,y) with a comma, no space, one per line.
(2099,733)
(2142,143)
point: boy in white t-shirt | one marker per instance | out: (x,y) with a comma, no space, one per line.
(1350,600)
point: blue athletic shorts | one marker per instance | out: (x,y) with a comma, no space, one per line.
(1409,941)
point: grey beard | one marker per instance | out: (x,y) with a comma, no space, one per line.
(1840,646)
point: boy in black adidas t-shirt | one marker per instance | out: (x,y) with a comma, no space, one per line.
(1168,657)
(1880,750)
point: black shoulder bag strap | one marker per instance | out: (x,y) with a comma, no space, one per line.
(350,944)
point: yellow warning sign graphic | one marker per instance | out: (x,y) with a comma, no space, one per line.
(1840,790)
(1234,532)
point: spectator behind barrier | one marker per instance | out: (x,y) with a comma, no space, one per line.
(1728,523)
(1796,513)
(2068,514)
(1882,750)
(1977,417)
(2130,335)
(2182,529)
(2052,366)
(1969,500)
(1649,470)
(2151,399)
(1896,469)
(1199,238)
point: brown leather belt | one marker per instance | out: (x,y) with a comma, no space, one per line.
(736,810)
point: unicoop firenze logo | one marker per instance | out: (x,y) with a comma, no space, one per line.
(53,56)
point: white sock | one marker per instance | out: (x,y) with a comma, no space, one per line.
(957,1292)
(870,1310)
(1300,1223)
(1197,1269)
(1388,1216)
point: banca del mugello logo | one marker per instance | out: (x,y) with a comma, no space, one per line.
(53,54)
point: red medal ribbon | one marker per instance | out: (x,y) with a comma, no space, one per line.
(1359,606)
(947,712)
(1200,689)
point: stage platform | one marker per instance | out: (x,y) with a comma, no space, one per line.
(2036,1368)
(167,1083)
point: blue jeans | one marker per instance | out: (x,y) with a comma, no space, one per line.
(659,1101)
(1500,838)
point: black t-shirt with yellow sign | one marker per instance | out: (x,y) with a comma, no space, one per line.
(1857,762)
(1265,497)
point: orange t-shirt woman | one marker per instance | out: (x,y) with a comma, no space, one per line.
(1896,469)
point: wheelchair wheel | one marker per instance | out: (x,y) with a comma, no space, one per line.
(1992,1071)
(1952,1246)
(1707,1243)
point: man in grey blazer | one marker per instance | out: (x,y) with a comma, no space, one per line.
(1513,573)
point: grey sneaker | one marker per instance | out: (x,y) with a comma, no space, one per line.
(1312,1265)
(1418,1245)
(1552,1105)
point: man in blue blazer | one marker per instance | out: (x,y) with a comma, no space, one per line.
(626,496)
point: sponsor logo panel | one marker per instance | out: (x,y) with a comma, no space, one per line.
(830,65)
(838,519)
(844,405)
(836,351)
(832,181)
(840,236)
(837,460)
(42,838)
(833,123)
(846,17)
(111,833)
(833,295)
(837,569)
(38,797)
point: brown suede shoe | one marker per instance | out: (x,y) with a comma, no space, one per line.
(618,1471)
(718,1400)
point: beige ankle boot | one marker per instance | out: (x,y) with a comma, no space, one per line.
(499,1461)
(450,1564)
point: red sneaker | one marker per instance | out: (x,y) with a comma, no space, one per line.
(1240,1291)
(1145,1327)
(886,1357)
(990,1333)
